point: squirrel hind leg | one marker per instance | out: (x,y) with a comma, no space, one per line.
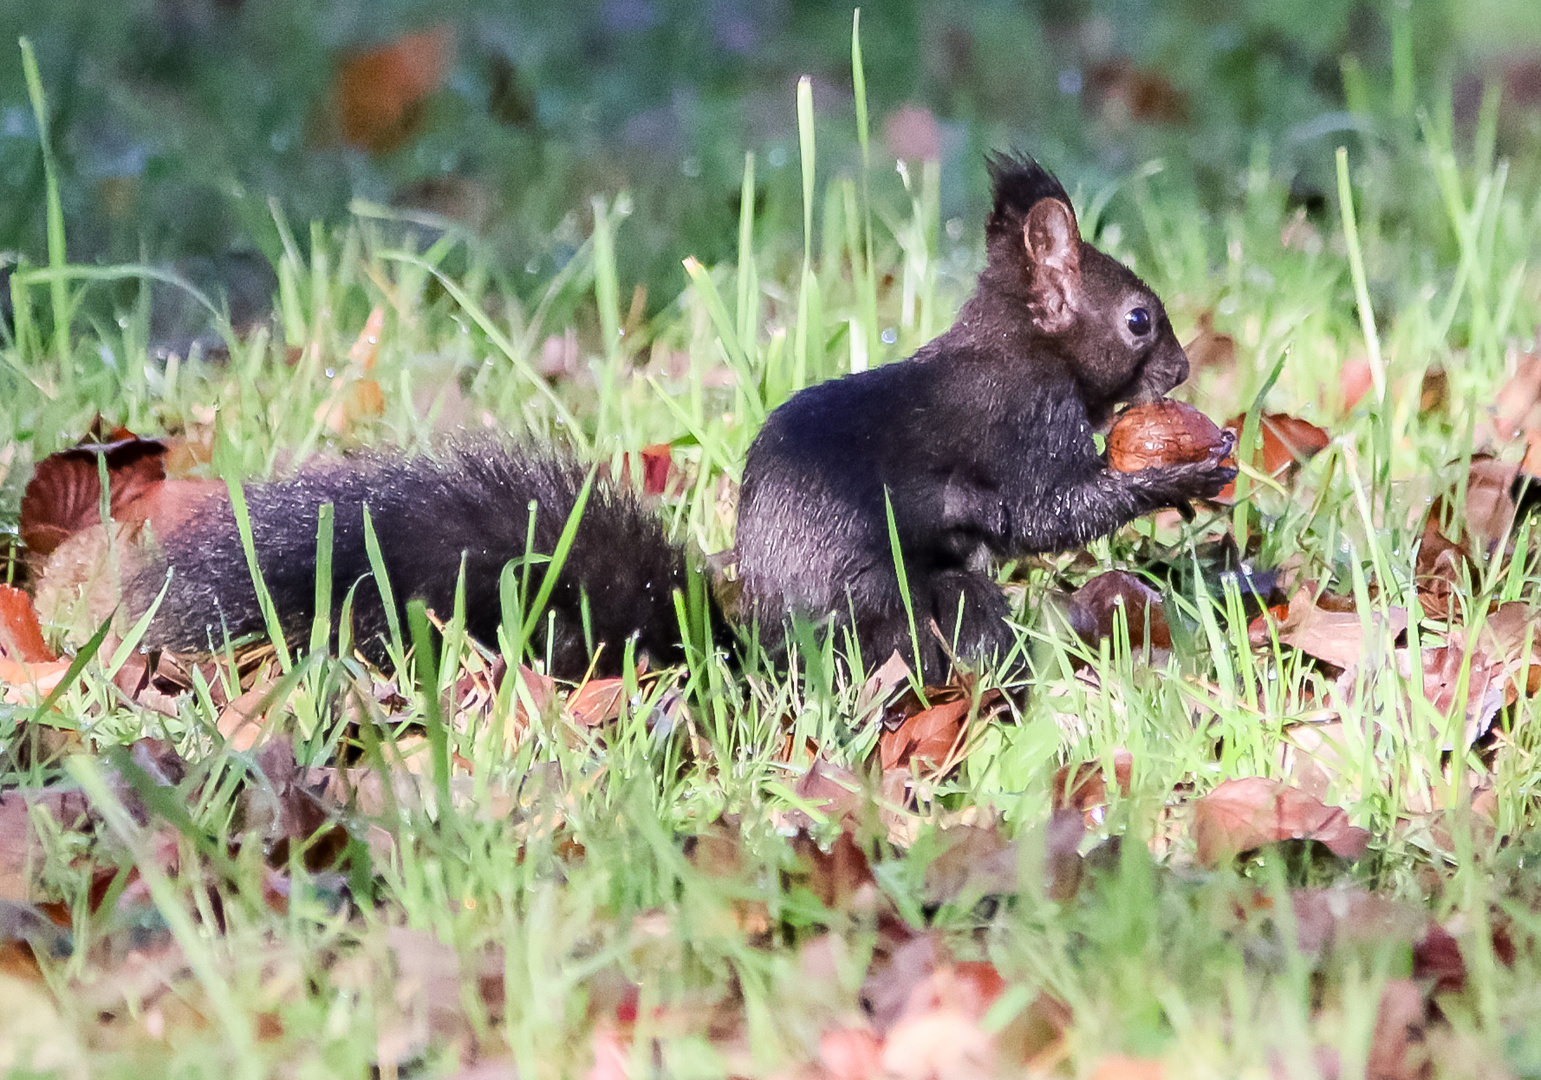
(972,613)
(958,614)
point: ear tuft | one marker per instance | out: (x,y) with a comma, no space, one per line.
(1018,183)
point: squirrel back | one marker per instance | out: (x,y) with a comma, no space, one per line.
(471,500)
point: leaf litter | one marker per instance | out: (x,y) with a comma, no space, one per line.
(880,879)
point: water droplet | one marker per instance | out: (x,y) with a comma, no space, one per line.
(889,335)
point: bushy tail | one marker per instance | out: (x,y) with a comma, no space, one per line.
(471,501)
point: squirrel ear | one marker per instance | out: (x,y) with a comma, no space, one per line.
(1053,243)
(1052,237)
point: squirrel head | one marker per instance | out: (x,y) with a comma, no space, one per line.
(1106,325)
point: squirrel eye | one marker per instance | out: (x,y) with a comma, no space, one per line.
(1139,322)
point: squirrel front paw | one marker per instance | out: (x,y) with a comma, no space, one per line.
(1203,479)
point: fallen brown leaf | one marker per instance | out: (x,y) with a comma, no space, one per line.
(27,684)
(1312,756)
(1451,541)
(1241,815)
(833,790)
(64,495)
(1328,918)
(1335,637)
(1397,1049)
(1094,609)
(837,876)
(243,721)
(1284,442)
(1517,408)
(1438,963)
(976,862)
(1083,787)
(850,1054)
(931,737)
(21,637)
(378,92)
(21,852)
(657,468)
(1486,684)
(596,702)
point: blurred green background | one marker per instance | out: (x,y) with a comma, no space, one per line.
(182,125)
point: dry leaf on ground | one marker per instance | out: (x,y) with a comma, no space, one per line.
(1451,541)
(1337,637)
(596,702)
(64,495)
(929,738)
(1517,408)
(1083,787)
(378,93)
(977,861)
(1241,815)
(1093,609)
(1284,442)
(21,637)
(838,876)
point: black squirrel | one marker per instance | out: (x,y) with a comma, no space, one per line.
(981,443)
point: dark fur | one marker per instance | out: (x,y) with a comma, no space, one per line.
(982,440)
(426,511)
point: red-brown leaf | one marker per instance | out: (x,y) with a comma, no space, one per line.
(1486,686)
(1095,606)
(928,737)
(1437,959)
(377,91)
(21,637)
(596,702)
(1244,814)
(64,494)
(1284,441)
(836,875)
(1336,637)
(657,462)
(1083,787)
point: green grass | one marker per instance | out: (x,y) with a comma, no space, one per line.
(507,875)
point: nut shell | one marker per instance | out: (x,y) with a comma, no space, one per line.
(1162,433)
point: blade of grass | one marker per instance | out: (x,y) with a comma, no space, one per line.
(748,274)
(808,286)
(559,556)
(270,618)
(58,293)
(71,673)
(916,679)
(432,704)
(321,625)
(1382,423)
(397,644)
